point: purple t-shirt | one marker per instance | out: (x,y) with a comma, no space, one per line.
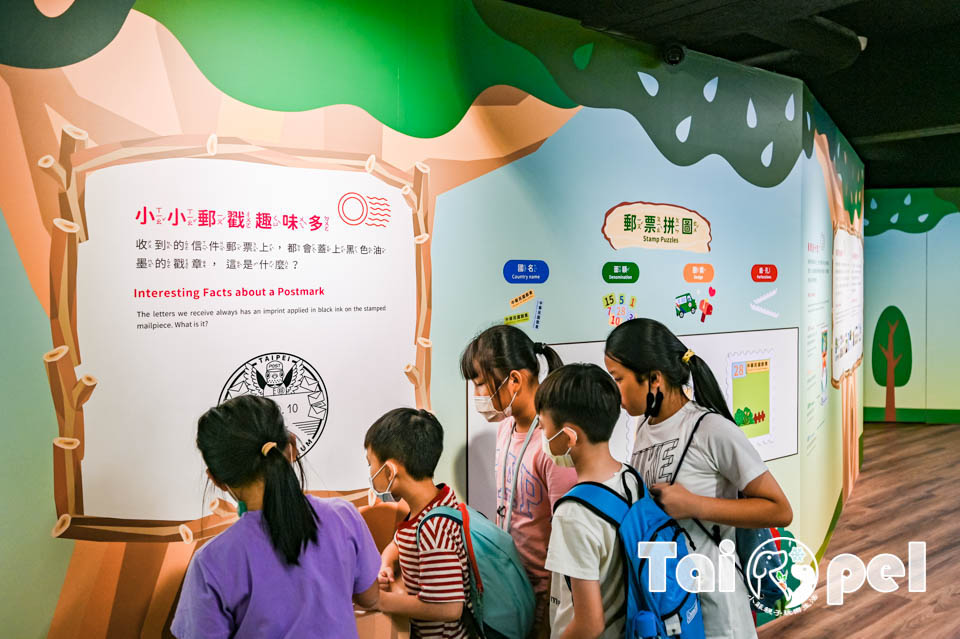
(239,586)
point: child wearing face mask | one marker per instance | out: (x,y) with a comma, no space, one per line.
(579,406)
(698,465)
(502,362)
(403,448)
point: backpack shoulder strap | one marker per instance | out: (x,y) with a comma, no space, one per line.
(461,515)
(601,500)
(715,534)
(440,511)
(687,447)
(630,470)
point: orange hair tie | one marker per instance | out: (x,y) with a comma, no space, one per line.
(266,448)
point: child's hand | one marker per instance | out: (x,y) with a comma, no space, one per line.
(676,501)
(385,576)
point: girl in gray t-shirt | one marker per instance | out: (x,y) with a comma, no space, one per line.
(652,366)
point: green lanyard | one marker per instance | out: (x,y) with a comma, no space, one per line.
(505,511)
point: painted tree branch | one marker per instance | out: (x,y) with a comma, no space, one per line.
(69,179)
(67,447)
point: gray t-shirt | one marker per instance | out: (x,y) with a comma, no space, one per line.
(720,462)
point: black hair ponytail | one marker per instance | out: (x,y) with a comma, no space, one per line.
(492,354)
(234,440)
(644,345)
(706,390)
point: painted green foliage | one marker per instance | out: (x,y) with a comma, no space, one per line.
(414,67)
(704,106)
(892,348)
(908,210)
(759,122)
(31,40)
(417,68)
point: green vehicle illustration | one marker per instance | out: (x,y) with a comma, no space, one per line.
(686,304)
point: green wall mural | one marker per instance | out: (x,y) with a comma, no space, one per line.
(911,266)
(909,210)
(510,131)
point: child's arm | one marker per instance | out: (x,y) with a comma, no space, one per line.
(369,598)
(733,457)
(411,606)
(388,564)
(443,585)
(587,622)
(765,504)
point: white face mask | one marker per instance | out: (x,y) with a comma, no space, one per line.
(484,405)
(386,496)
(564,460)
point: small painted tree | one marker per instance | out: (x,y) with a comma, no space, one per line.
(892,356)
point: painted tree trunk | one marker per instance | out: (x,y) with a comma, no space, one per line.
(890,412)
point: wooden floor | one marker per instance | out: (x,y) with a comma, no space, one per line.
(908,490)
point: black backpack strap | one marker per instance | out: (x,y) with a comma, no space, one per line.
(713,535)
(687,447)
(630,470)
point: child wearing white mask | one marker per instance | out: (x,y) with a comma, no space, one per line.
(503,364)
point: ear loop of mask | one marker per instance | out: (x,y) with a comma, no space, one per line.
(241,505)
(653,402)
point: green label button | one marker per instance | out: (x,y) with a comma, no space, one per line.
(621,272)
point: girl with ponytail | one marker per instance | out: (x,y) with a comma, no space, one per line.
(693,457)
(504,365)
(293,565)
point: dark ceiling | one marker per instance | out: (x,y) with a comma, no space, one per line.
(897,100)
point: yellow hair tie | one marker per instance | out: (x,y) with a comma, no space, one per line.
(266,448)
(687,356)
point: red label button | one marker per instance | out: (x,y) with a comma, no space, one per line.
(764,273)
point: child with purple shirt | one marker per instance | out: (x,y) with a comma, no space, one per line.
(293,565)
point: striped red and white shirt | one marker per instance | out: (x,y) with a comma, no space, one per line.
(436,572)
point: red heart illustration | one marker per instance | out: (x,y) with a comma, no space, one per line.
(712,291)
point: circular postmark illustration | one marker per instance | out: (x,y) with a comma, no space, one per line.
(294,384)
(353,208)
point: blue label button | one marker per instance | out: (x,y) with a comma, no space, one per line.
(526,271)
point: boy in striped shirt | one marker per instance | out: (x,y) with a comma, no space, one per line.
(403,448)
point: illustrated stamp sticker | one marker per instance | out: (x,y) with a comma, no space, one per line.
(522,299)
(517,318)
(751,396)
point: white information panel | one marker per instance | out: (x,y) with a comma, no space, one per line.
(847,302)
(205,279)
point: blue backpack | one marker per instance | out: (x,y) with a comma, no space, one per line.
(673,612)
(500,593)
(766,566)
